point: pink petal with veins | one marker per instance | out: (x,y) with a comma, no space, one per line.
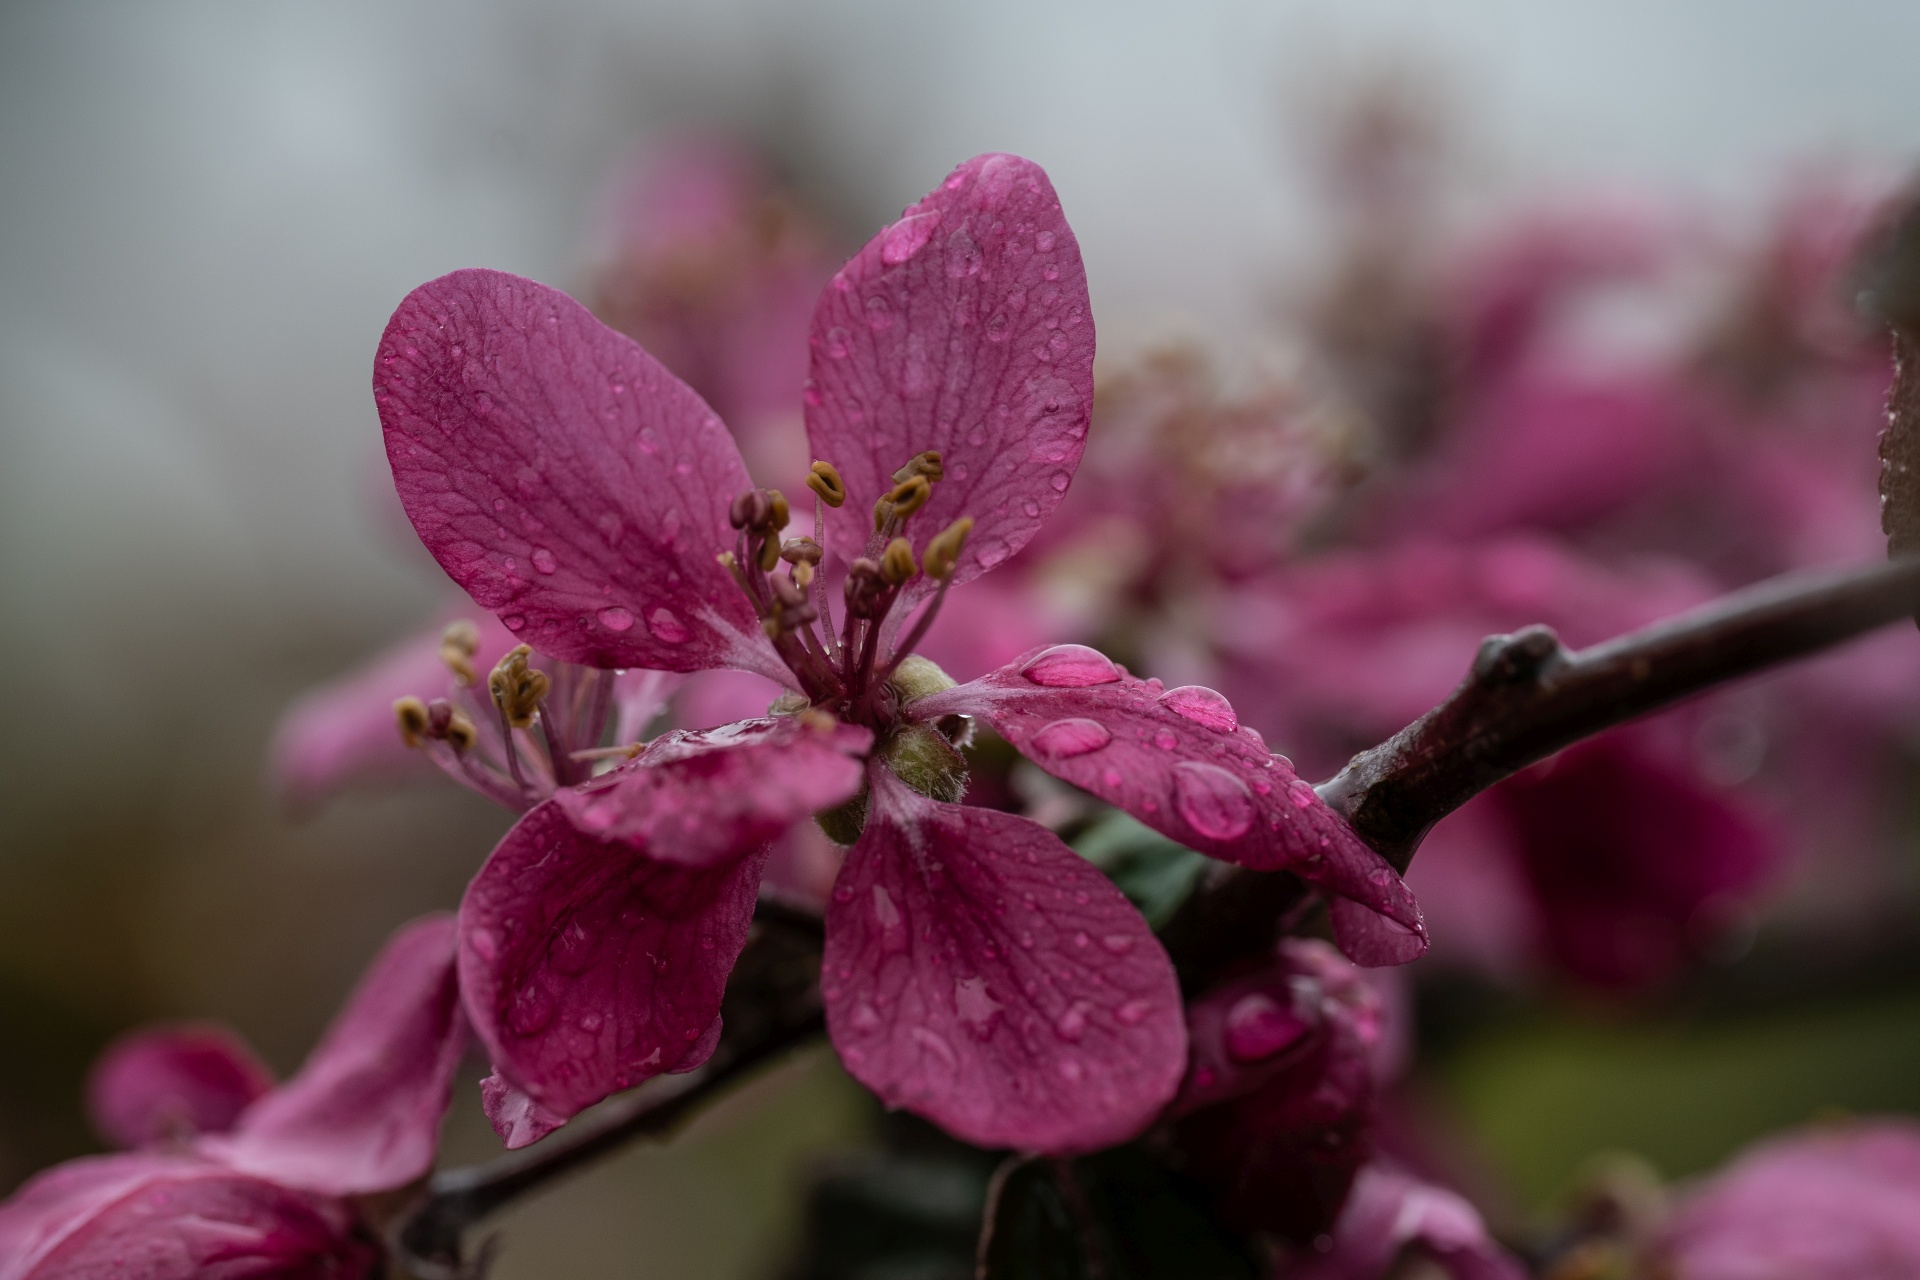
(588,967)
(364,1113)
(703,798)
(1179,761)
(562,477)
(166,1084)
(963,327)
(980,973)
(174,1218)
(343,732)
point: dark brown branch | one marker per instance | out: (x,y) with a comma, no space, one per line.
(1525,697)
(772,1007)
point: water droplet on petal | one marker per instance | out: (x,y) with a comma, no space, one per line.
(1071,666)
(514,621)
(879,314)
(485,943)
(1031,507)
(1380,876)
(1216,804)
(543,560)
(963,254)
(1133,1012)
(1044,242)
(1117,943)
(1060,480)
(863,1019)
(1203,706)
(936,1045)
(883,909)
(1073,737)
(1257,1027)
(614,618)
(571,951)
(976,1006)
(907,237)
(991,552)
(1302,794)
(533,1008)
(667,627)
(1073,1023)
(1165,739)
(837,343)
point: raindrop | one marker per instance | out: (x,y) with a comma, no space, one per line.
(837,343)
(977,436)
(1302,794)
(863,1018)
(1201,705)
(1060,480)
(485,943)
(1117,943)
(907,237)
(1216,804)
(614,618)
(1071,666)
(1031,507)
(532,1009)
(1133,1012)
(1073,1023)
(1257,1027)
(976,1006)
(991,552)
(879,314)
(963,254)
(883,909)
(936,1045)
(997,327)
(514,621)
(543,560)
(1165,739)
(667,627)
(1072,737)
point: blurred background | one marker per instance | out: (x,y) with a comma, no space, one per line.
(207,212)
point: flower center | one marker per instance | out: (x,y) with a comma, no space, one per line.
(843,671)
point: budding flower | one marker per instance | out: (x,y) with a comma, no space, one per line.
(896,562)
(518,688)
(458,643)
(826,482)
(944,550)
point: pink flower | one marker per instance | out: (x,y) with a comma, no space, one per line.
(1838,1203)
(976,970)
(234,1178)
(1391,1215)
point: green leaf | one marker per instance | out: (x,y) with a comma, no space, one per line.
(1118,1215)
(1155,873)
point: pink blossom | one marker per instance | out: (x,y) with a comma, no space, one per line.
(976,970)
(264,1190)
(1390,1215)
(1821,1204)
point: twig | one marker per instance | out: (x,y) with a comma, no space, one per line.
(1525,697)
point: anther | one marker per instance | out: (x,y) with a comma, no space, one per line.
(896,562)
(863,579)
(944,550)
(779,513)
(518,688)
(788,592)
(411,715)
(910,495)
(803,575)
(749,510)
(922,464)
(826,482)
(458,643)
(421,722)
(801,551)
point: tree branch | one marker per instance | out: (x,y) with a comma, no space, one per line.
(772,1006)
(1525,697)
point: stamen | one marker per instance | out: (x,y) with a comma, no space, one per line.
(769,553)
(517,688)
(863,579)
(411,715)
(910,495)
(798,551)
(750,509)
(926,464)
(803,575)
(825,481)
(421,722)
(779,512)
(896,563)
(458,643)
(943,551)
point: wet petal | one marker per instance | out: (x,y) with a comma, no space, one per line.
(963,327)
(364,1113)
(174,1218)
(1179,761)
(588,967)
(517,1118)
(1390,1211)
(563,478)
(343,732)
(980,973)
(162,1084)
(701,798)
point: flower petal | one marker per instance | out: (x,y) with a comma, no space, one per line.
(174,1218)
(517,1118)
(364,1113)
(588,967)
(980,973)
(1390,1211)
(343,732)
(963,327)
(702,798)
(161,1084)
(563,478)
(1179,761)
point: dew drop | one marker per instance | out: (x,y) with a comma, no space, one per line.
(1031,507)
(863,1018)
(614,618)
(1257,1027)
(667,627)
(1072,737)
(883,909)
(1044,242)
(1071,1071)
(1070,666)
(997,327)
(977,436)
(1165,739)
(837,343)
(963,255)
(514,621)
(1060,480)
(1201,705)
(1073,1023)
(1380,876)
(907,237)
(976,1006)
(485,943)
(991,552)
(936,1045)
(1302,794)
(879,314)
(1216,804)
(1133,1012)
(532,1009)
(543,560)
(1117,943)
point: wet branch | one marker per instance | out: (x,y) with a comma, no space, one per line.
(1525,697)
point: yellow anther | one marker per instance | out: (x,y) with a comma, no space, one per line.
(910,495)
(517,688)
(781,513)
(458,643)
(727,561)
(922,464)
(896,562)
(460,732)
(769,553)
(803,575)
(882,511)
(826,482)
(411,715)
(944,550)
(818,720)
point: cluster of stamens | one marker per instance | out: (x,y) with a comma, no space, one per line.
(842,669)
(520,733)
